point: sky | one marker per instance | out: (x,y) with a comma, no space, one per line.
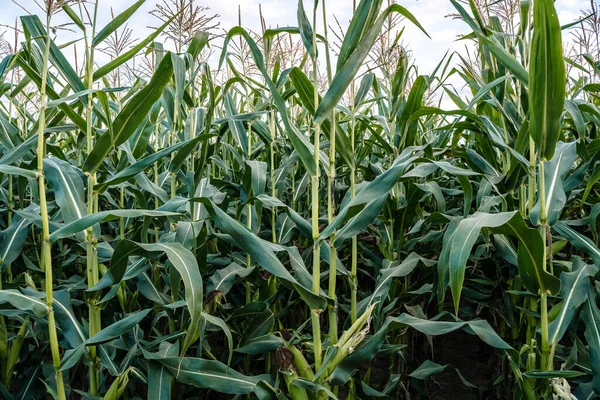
(427,53)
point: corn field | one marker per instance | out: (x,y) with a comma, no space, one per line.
(307,231)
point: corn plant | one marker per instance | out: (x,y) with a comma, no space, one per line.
(261,229)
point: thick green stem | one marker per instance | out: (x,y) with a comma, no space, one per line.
(354,255)
(122,220)
(173,141)
(10,199)
(544,327)
(316,274)
(333,329)
(93,275)
(531,179)
(3,330)
(273,279)
(192,158)
(156,203)
(523,200)
(546,361)
(249,223)
(542,195)
(46,255)
(545,345)
(273,188)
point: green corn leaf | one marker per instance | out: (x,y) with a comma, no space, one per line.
(555,173)
(206,374)
(258,176)
(491,44)
(299,142)
(92,219)
(361,210)
(116,23)
(386,277)
(187,232)
(485,90)
(578,240)
(185,265)
(159,378)
(370,347)
(591,316)
(574,292)
(33,74)
(198,42)
(363,19)
(360,220)
(577,117)
(128,55)
(73,332)
(308,385)
(13,238)
(132,115)
(118,386)
(35,30)
(134,169)
(74,17)
(593,179)
(505,58)
(306,31)
(536,374)
(221,324)
(5,64)
(261,345)
(72,357)
(74,96)
(236,127)
(140,139)
(66,320)
(260,325)
(117,329)
(530,254)
(223,279)
(467,188)
(260,252)
(407,129)
(443,263)
(547,78)
(363,89)
(429,368)
(348,69)
(144,99)
(16,153)
(463,239)
(69,190)
(372,192)
(178,77)
(9,134)
(305,89)
(23,302)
